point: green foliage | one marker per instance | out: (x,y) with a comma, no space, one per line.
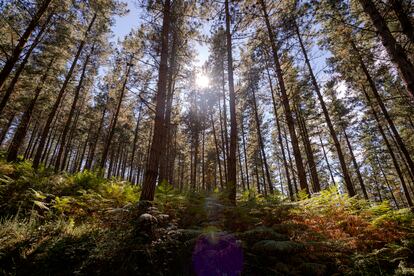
(24,191)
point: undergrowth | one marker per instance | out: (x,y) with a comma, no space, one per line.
(84,224)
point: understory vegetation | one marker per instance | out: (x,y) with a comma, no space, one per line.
(65,224)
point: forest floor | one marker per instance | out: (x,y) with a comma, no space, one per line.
(62,224)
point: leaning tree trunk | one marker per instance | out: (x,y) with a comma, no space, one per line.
(332,132)
(404,19)
(261,144)
(279,136)
(51,116)
(356,166)
(285,101)
(58,165)
(8,66)
(308,151)
(115,118)
(394,49)
(22,65)
(21,131)
(384,110)
(390,150)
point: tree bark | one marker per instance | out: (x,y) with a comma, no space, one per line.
(158,138)
(21,131)
(8,66)
(231,166)
(58,165)
(115,118)
(394,49)
(22,65)
(356,166)
(285,101)
(54,108)
(261,144)
(332,132)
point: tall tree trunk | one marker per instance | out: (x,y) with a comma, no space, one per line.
(384,110)
(394,49)
(134,145)
(31,140)
(6,127)
(332,132)
(217,151)
(285,101)
(21,131)
(158,138)
(356,166)
(115,118)
(58,165)
(279,135)
(309,152)
(8,66)
(231,167)
(55,106)
(223,142)
(245,156)
(241,168)
(91,155)
(261,144)
(389,148)
(327,161)
(22,65)
(404,19)
(163,171)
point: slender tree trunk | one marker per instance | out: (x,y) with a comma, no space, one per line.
(55,106)
(245,156)
(261,144)
(91,156)
(384,110)
(5,129)
(394,49)
(163,171)
(295,184)
(158,138)
(356,166)
(241,168)
(309,152)
(337,144)
(279,135)
(8,66)
(389,148)
(327,161)
(231,167)
(217,151)
(58,165)
(115,118)
(21,131)
(285,101)
(386,181)
(134,145)
(223,142)
(31,140)
(22,65)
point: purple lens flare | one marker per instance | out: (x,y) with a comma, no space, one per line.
(217,254)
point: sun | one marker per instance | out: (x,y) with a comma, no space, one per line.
(202,81)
